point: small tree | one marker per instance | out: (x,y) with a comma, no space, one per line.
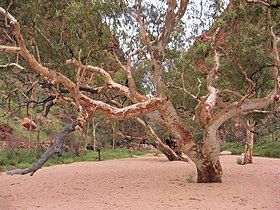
(248,155)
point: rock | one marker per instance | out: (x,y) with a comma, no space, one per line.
(225,153)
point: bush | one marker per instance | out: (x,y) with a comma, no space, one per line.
(239,161)
(190,178)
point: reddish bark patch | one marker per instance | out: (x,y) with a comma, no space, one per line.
(28,124)
(5,131)
(201,65)
(209,173)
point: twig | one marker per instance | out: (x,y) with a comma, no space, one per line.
(11,64)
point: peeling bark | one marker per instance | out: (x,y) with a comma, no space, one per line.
(209,172)
(205,155)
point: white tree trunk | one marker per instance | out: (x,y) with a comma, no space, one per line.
(206,157)
(94,126)
(248,157)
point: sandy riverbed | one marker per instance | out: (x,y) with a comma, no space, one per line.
(147,182)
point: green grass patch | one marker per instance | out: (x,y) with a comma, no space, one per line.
(264,150)
(23,159)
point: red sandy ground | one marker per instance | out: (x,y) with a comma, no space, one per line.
(143,183)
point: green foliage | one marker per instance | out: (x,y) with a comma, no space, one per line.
(22,158)
(47,131)
(264,150)
(9,157)
(191,178)
(121,153)
(202,49)
(119,77)
(57,30)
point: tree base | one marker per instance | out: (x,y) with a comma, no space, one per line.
(247,161)
(209,173)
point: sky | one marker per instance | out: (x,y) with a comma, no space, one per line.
(197,18)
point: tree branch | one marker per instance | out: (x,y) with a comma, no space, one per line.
(204,110)
(143,31)
(128,112)
(169,22)
(9,49)
(182,9)
(11,64)
(248,105)
(265,3)
(53,76)
(106,76)
(170,153)
(135,95)
(7,15)
(56,148)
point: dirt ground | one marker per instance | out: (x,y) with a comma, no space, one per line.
(147,182)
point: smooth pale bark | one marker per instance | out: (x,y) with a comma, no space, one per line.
(205,154)
(210,170)
(113,137)
(94,126)
(248,156)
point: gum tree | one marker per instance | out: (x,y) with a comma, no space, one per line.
(211,112)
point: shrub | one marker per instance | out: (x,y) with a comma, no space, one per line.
(190,179)
(239,161)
